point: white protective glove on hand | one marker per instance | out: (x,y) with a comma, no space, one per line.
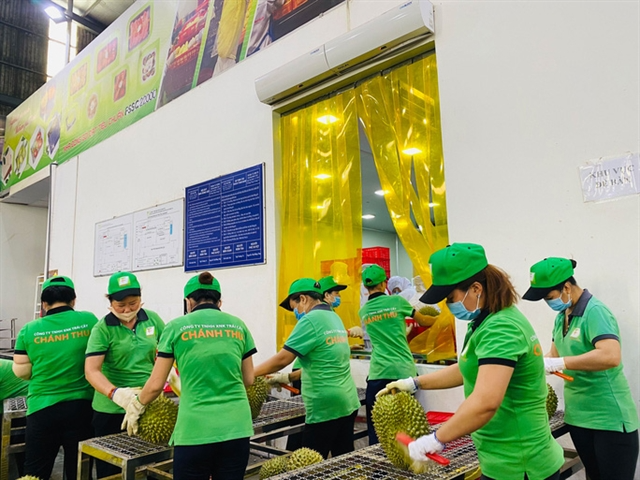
(356,332)
(553,364)
(278,379)
(423,445)
(123,396)
(133,412)
(174,381)
(404,385)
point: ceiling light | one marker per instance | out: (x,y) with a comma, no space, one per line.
(368,216)
(323,176)
(327,119)
(54,12)
(433,204)
(382,193)
(411,151)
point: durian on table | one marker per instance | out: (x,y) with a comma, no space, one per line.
(257,395)
(158,421)
(302,457)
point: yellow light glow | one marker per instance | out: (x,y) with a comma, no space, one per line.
(382,193)
(411,151)
(323,176)
(327,119)
(368,216)
(433,204)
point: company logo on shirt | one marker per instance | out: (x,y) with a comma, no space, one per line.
(53,336)
(192,332)
(575,334)
(150,331)
(376,317)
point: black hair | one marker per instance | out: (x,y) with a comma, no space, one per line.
(203,295)
(372,287)
(314,295)
(112,299)
(58,294)
(560,286)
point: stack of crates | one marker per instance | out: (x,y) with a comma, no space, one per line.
(379,256)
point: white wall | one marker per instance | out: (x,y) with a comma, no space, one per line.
(22,246)
(400,262)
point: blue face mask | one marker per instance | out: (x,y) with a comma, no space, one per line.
(336,302)
(557,304)
(298,314)
(459,311)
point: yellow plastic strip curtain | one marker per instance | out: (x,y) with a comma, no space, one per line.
(320,196)
(401,117)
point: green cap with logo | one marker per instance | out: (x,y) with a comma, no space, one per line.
(328,284)
(373,275)
(452,265)
(58,281)
(194,284)
(547,274)
(301,286)
(123,285)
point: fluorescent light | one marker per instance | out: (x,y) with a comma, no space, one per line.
(54,12)
(323,176)
(382,193)
(433,204)
(327,119)
(368,216)
(411,151)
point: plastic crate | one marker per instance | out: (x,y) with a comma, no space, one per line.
(376,253)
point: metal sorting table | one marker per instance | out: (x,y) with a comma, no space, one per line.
(13,408)
(371,462)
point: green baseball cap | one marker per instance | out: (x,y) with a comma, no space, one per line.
(58,281)
(194,284)
(122,285)
(452,265)
(373,275)
(328,284)
(547,274)
(301,286)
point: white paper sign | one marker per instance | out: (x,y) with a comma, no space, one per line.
(612,177)
(112,249)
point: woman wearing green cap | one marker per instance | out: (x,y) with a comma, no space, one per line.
(49,353)
(599,408)
(120,356)
(320,341)
(213,351)
(500,367)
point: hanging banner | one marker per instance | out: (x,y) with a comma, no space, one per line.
(152,54)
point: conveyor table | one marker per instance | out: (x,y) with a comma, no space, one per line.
(13,408)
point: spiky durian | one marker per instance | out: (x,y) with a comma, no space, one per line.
(398,413)
(430,310)
(273,467)
(552,401)
(28,477)
(257,394)
(158,420)
(303,457)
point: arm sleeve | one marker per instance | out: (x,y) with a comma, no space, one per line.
(303,339)
(502,344)
(601,324)
(21,344)
(166,344)
(160,327)
(98,343)
(404,307)
(249,344)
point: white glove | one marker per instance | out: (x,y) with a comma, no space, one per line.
(423,445)
(133,412)
(123,396)
(278,379)
(553,364)
(356,332)
(408,329)
(174,381)
(415,301)
(404,385)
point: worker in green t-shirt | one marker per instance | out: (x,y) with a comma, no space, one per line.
(500,367)
(120,356)
(320,341)
(384,319)
(599,408)
(12,387)
(213,351)
(49,353)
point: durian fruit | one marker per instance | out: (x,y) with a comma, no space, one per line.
(158,421)
(552,401)
(303,457)
(273,467)
(257,394)
(28,477)
(398,413)
(430,310)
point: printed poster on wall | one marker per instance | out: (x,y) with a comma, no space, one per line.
(152,54)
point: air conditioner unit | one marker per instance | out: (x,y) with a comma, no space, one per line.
(409,21)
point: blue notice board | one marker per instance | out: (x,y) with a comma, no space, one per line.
(224,224)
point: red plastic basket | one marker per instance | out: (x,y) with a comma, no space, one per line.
(435,418)
(376,252)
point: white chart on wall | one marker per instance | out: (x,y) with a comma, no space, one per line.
(158,236)
(112,248)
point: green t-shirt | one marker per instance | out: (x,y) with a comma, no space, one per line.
(597,400)
(209,347)
(321,342)
(129,355)
(55,345)
(383,316)
(517,440)
(10,385)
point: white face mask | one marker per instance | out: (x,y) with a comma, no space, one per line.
(126,317)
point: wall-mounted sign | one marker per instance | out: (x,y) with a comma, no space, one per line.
(611,177)
(225,221)
(144,240)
